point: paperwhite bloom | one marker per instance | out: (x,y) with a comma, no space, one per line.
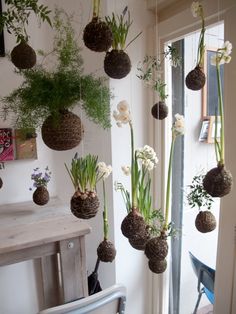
(196,9)
(179,125)
(121,118)
(217,59)
(123,106)
(126,170)
(148,157)
(104,170)
(222,55)
(227,47)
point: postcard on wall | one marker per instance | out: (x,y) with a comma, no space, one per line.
(25,142)
(6,144)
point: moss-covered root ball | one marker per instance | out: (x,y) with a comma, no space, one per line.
(133,225)
(160,110)
(106,251)
(157,267)
(23,56)
(195,80)
(117,64)
(156,248)
(218,181)
(205,221)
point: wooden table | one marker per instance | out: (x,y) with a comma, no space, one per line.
(52,234)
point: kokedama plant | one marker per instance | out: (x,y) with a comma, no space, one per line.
(16,20)
(45,97)
(97,34)
(156,248)
(117,63)
(198,197)
(106,251)
(150,71)
(218,181)
(40,195)
(135,225)
(84,175)
(196,78)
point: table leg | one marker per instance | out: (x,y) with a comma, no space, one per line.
(73,269)
(50,278)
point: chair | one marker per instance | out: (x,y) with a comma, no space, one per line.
(108,301)
(206,279)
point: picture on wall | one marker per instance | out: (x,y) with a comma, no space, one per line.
(2,45)
(203,137)
(6,144)
(25,145)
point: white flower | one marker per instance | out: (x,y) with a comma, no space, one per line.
(104,170)
(148,157)
(227,47)
(179,125)
(123,106)
(196,9)
(227,59)
(126,170)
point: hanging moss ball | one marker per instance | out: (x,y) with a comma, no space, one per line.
(138,242)
(117,64)
(63,132)
(157,267)
(106,251)
(97,35)
(1,183)
(23,56)
(218,181)
(41,196)
(160,110)
(133,224)
(195,80)
(156,248)
(84,205)
(205,221)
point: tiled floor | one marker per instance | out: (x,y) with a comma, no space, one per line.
(206,310)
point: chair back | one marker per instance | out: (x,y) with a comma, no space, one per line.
(204,273)
(108,301)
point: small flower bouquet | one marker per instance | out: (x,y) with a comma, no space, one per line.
(117,63)
(198,197)
(195,80)
(218,181)
(84,176)
(135,225)
(41,180)
(106,251)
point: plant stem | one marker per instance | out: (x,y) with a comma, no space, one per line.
(221,109)
(201,47)
(105,215)
(133,175)
(96,8)
(168,187)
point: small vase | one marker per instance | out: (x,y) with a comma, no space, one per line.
(97,35)
(117,64)
(195,80)
(157,248)
(218,181)
(106,251)
(160,110)
(41,196)
(84,205)
(63,133)
(205,221)
(133,225)
(23,56)
(156,266)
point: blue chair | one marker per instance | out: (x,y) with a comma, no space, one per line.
(206,279)
(109,301)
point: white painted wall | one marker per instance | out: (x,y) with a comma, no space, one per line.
(197,156)
(130,268)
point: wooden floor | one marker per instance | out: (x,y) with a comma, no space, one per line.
(206,310)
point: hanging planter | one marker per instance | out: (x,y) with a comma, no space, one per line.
(63,134)
(157,266)
(160,110)
(106,251)
(117,63)
(40,195)
(138,241)
(84,205)
(133,224)
(205,221)
(218,181)
(97,34)
(46,98)
(195,80)
(16,20)
(157,248)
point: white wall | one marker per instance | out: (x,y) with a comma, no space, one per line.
(198,156)
(130,266)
